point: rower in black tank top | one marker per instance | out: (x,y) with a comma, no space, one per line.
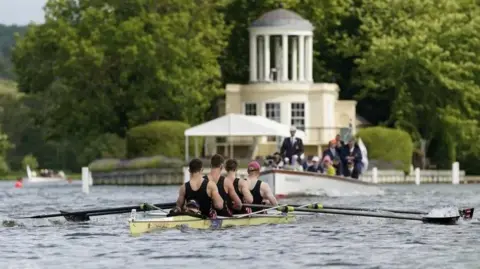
(257,196)
(225,211)
(237,190)
(201,196)
(240,195)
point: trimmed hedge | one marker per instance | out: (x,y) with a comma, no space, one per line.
(164,138)
(108,165)
(389,145)
(105,146)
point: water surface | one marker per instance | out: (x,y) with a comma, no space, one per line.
(321,241)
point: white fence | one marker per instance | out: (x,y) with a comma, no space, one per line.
(417,176)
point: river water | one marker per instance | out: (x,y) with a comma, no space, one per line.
(321,241)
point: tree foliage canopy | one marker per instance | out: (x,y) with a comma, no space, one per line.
(105,66)
(102,66)
(423,58)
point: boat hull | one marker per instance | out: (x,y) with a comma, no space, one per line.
(44,179)
(286,183)
(32,178)
(154,224)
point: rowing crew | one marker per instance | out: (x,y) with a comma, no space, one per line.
(215,195)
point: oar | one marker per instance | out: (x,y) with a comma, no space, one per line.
(433,220)
(466,213)
(85,215)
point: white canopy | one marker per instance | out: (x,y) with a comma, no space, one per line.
(239,125)
(242,125)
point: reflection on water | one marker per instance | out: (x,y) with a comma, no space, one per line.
(318,241)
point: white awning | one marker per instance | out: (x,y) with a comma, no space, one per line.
(242,125)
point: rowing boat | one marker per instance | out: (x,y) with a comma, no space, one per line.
(150,224)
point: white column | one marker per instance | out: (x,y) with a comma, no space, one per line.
(266,54)
(310,58)
(455,173)
(294,58)
(278,59)
(261,60)
(285,58)
(301,58)
(253,58)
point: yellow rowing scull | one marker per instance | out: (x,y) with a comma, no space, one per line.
(150,224)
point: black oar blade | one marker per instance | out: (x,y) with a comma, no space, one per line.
(441,220)
(75,217)
(84,215)
(466,213)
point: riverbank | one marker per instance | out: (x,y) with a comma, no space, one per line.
(16,175)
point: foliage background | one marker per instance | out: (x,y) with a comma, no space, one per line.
(98,68)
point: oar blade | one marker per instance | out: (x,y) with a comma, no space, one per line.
(85,215)
(466,213)
(441,220)
(75,217)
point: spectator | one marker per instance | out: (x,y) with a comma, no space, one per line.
(328,166)
(337,164)
(292,146)
(274,161)
(332,150)
(338,141)
(296,163)
(315,167)
(352,156)
(351,171)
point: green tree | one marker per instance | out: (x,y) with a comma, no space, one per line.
(105,66)
(7,41)
(423,58)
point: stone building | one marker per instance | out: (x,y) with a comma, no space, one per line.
(281,88)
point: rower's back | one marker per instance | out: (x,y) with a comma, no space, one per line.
(216,163)
(197,190)
(259,190)
(236,186)
(257,195)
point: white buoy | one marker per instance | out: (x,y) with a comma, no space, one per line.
(417,176)
(85,180)
(375,175)
(455,173)
(90,178)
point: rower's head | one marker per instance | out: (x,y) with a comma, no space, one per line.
(253,168)
(195,166)
(231,165)
(216,162)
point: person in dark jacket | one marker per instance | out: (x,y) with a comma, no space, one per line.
(292,146)
(337,164)
(351,171)
(339,142)
(352,159)
(332,151)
